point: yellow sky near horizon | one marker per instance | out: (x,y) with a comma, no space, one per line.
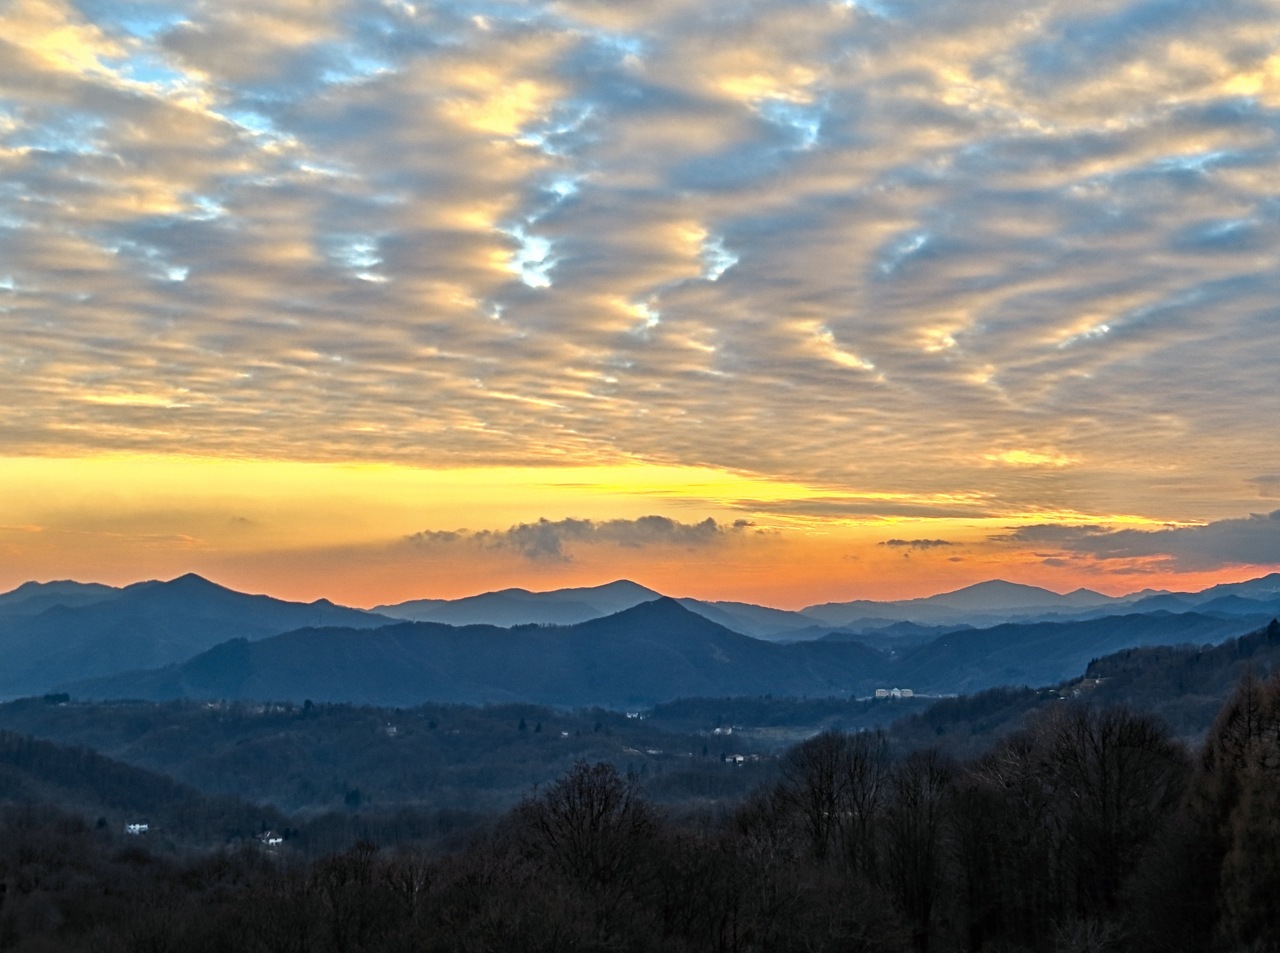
(367,534)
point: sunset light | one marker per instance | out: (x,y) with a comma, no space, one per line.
(784,303)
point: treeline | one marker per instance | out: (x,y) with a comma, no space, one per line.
(1089,829)
(308,759)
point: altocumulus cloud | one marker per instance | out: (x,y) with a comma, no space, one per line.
(549,539)
(1033,244)
(1251,540)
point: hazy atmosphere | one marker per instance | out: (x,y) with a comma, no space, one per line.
(779,301)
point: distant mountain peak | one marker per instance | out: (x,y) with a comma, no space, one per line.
(663,609)
(189,578)
(1092,593)
(193,582)
(623,585)
(516,606)
(996,593)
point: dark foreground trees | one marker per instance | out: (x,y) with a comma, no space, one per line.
(1089,830)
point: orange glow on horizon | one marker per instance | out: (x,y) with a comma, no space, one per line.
(346,532)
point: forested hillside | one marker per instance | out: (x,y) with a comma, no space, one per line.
(1089,829)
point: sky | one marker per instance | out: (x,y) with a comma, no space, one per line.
(780,301)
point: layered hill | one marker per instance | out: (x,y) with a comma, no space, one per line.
(74,632)
(653,652)
(1045,653)
(32,598)
(649,653)
(508,607)
(986,602)
(1185,685)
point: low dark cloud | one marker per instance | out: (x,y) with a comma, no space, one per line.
(549,540)
(916,543)
(430,537)
(1268,485)
(1251,540)
(1053,533)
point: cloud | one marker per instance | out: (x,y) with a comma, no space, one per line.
(1251,540)
(916,543)
(550,540)
(1268,485)
(934,249)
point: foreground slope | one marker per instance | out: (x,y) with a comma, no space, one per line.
(38,772)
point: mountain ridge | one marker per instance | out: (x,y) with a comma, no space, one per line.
(145,625)
(653,652)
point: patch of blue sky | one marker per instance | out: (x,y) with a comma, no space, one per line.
(649,316)
(553,137)
(802,120)
(482,15)
(1200,162)
(1220,235)
(148,70)
(144,19)
(330,171)
(629,49)
(353,66)
(358,254)
(903,249)
(1224,229)
(549,197)
(7,283)
(552,195)
(564,186)
(507,11)
(874,7)
(716,259)
(70,134)
(207,208)
(1096,37)
(532,260)
(1095,333)
(250,121)
(260,127)
(152,259)
(1168,308)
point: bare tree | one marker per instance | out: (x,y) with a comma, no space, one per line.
(836,784)
(591,825)
(914,850)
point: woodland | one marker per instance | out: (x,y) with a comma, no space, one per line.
(1088,828)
